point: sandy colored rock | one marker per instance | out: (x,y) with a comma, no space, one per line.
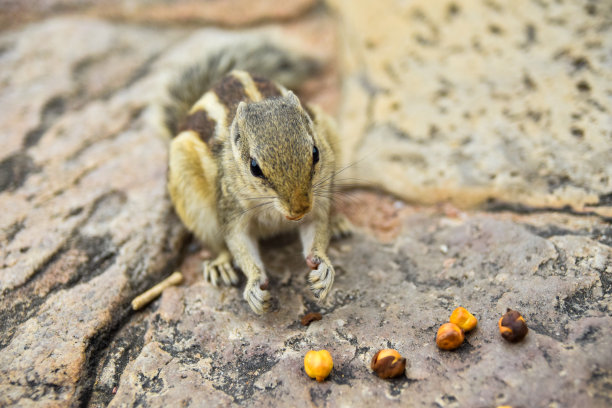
(217,12)
(476,100)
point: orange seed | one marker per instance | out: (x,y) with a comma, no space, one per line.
(449,337)
(318,364)
(464,319)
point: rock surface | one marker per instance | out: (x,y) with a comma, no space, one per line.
(394,295)
(478,100)
(194,12)
(86,223)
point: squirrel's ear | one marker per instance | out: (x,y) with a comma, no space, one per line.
(241,109)
(293,99)
(236,134)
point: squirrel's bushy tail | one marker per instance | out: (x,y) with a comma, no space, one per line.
(257,56)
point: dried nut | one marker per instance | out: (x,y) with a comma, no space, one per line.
(388,363)
(464,319)
(311,317)
(450,336)
(318,364)
(512,326)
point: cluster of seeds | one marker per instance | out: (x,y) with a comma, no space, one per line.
(389,363)
(451,335)
(512,327)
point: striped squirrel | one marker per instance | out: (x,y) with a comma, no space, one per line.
(248,161)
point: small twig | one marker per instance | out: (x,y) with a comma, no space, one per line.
(147,297)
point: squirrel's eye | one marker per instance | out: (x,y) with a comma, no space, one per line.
(315,155)
(255,170)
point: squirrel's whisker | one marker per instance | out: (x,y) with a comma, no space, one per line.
(339,198)
(260,198)
(247,210)
(335,173)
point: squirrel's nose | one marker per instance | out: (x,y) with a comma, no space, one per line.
(299,205)
(297,212)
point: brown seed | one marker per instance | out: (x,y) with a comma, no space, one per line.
(311,317)
(388,363)
(450,336)
(464,319)
(512,326)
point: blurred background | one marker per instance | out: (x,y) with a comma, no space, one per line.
(470,102)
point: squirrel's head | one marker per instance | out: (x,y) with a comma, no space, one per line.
(275,146)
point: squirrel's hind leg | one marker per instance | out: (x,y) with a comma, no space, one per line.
(220,268)
(340,226)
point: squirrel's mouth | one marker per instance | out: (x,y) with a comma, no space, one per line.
(296,212)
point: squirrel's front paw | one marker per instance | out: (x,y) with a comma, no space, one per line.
(257,296)
(321,277)
(220,267)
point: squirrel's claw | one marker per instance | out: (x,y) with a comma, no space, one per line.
(322,278)
(257,298)
(229,275)
(220,269)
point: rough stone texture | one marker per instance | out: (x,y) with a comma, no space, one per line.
(219,12)
(86,223)
(393,295)
(83,229)
(480,100)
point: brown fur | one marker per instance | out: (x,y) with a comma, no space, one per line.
(268,89)
(230,92)
(200,123)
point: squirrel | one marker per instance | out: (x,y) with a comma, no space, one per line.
(248,161)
